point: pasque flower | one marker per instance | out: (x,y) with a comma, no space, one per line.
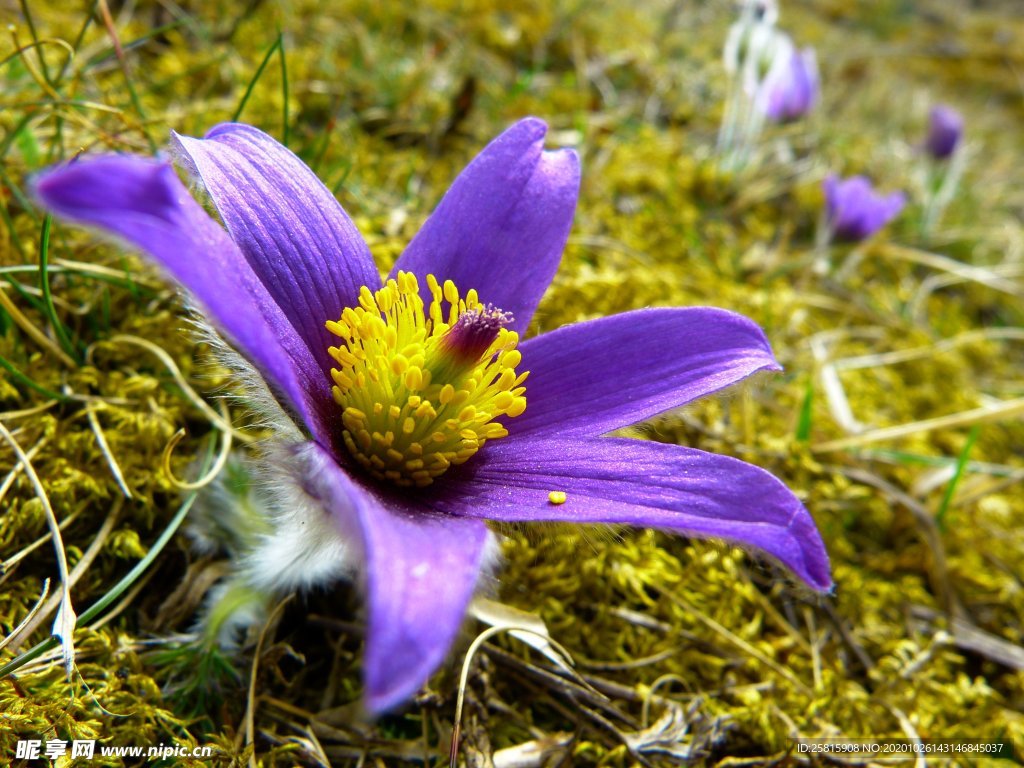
(945,129)
(418,419)
(790,89)
(855,211)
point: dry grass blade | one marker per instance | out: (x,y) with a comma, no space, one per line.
(19,467)
(970,638)
(64,624)
(1006,410)
(215,470)
(193,397)
(736,640)
(101,440)
(32,331)
(927,525)
(907,355)
(23,413)
(548,646)
(29,617)
(249,731)
(986,276)
(18,637)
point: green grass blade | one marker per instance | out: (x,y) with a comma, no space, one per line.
(44,283)
(27,15)
(25,141)
(21,378)
(961,464)
(254,80)
(284,87)
(803,426)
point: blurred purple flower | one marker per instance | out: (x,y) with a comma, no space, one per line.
(855,211)
(945,129)
(790,89)
(291,263)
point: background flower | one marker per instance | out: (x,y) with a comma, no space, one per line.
(791,88)
(945,129)
(855,211)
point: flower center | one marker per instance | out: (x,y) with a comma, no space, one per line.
(420,391)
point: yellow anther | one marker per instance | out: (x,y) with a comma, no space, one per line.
(420,387)
(511,358)
(413,378)
(342,380)
(557,497)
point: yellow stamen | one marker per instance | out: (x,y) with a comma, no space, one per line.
(416,400)
(557,497)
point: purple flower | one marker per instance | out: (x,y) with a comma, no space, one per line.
(790,89)
(945,129)
(855,211)
(412,392)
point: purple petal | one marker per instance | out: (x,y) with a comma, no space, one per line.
(143,202)
(503,224)
(593,377)
(637,482)
(292,231)
(421,570)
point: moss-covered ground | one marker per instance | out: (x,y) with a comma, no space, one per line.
(897,419)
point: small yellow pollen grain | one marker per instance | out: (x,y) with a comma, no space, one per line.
(557,497)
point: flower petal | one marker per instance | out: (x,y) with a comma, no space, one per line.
(295,235)
(637,482)
(502,226)
(142,201)
(593,377)
(421,569)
